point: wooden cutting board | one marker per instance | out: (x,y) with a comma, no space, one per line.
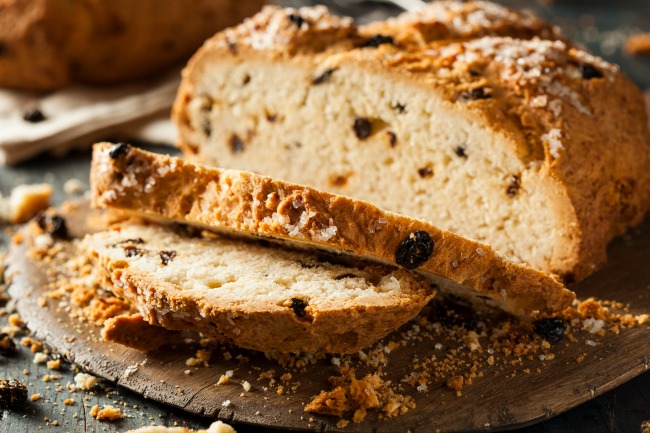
(497,401)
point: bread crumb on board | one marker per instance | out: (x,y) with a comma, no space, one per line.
(85,381)
(638,44)
(74,187)
(25,202)
(350,394)
(215,427)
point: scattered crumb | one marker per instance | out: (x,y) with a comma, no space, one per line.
(68,402)
(15,320)
(202,357)
(455,383)
(74,187)
(108,413)
(246,386)
(35,397)
(40,358)
(54,364)
(638,44)
(25,202)
(351,394)
(85,381)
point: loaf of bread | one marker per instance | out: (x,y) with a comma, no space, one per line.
(244,203)
(471,116)
(259,297)
(46,44)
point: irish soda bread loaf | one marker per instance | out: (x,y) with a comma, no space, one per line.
(474,117)
(259,297)
(130,179)
(45,44)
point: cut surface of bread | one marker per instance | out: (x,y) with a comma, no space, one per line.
(476,118)
(259,297)
(244,203)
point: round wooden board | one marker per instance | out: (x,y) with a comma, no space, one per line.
(492,402)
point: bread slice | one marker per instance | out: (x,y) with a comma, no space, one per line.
(531,145)
(130,179)
(259,297)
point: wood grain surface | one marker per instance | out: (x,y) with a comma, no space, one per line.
(506,401)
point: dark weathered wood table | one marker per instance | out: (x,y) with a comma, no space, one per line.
(601,25)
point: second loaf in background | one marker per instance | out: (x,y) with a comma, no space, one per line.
(477,118)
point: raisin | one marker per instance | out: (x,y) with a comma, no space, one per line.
(569,278)
(118,150)
(236,144)
(514,186)
(378,40)
(271,117)
(551,329)
(425,172)
(297,20)
(53,224)
(13,394)
(474,94)
(206,126)
(33,115)
(167,256)
(414,250)
(232,47)
(344,276)
(401,108)
(131,251)
(362,128)
(298,306)
(588,72)
(7,345)
(474,73)
(460,151)
(392,138)
(3,48)
(325,76)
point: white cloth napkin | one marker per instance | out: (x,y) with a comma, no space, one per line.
(76,116)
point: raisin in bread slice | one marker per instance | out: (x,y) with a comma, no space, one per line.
(531,145)
(159,186)
(259,297)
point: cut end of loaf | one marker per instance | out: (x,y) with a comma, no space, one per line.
(435,115)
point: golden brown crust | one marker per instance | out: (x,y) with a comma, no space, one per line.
(231,200)
(573,120)
(46,44)
(444,21)
(134,332)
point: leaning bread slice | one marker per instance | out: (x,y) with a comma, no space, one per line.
(259,297)
(159,186)
(469,115)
